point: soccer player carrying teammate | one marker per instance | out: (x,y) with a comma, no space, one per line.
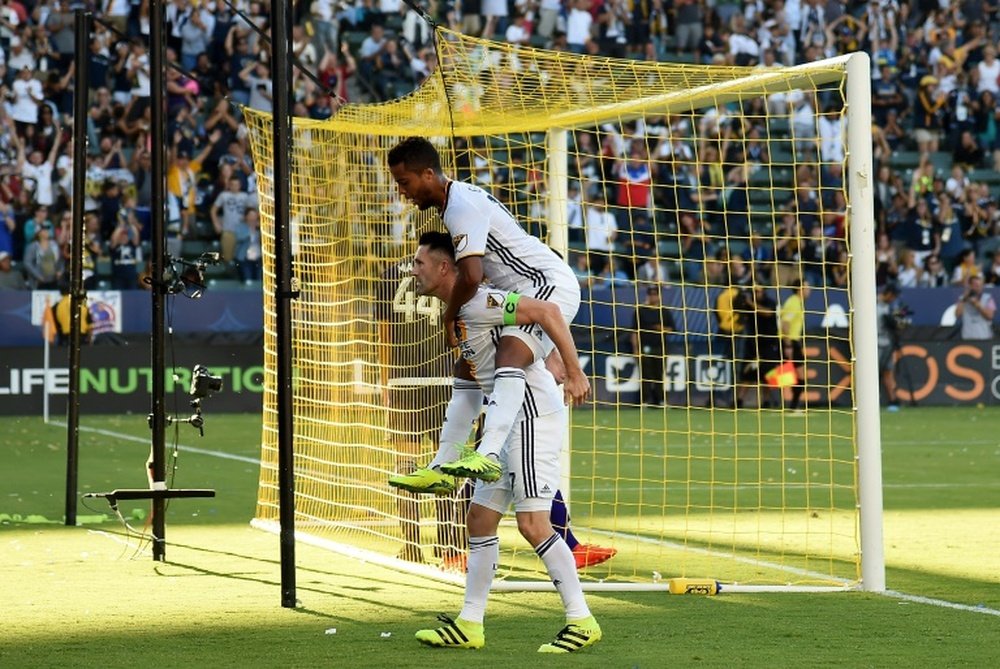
(417,366)
(529,458)
(489,243)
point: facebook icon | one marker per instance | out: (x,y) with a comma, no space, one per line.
(675,373)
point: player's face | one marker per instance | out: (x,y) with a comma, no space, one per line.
(415,186)
(426,271)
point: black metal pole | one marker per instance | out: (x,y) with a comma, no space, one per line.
(281,78)
(78,296)
(157,154)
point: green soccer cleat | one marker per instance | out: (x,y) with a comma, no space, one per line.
(474,466)
(454,634)
(577,635)
(424,479)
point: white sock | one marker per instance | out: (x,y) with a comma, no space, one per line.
(558,559)
(484,554)
(505,404)
(464,407)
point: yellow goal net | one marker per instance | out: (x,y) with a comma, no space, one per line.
(719,222)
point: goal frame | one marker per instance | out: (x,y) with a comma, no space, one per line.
(855,70)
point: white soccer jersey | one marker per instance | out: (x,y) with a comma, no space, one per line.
(480,322)
(512,259)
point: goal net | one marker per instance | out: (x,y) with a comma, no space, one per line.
(694,202)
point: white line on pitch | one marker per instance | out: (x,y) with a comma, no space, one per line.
(918,599)
(786,486)
(183,447)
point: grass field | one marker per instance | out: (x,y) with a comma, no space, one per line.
(91,596)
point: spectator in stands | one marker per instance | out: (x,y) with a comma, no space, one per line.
(26,97)
(986,122)
(229,216)
(574,212)
(519,31)
(928,112)
(934,274)
(182,190)
(10,279)
(578,25)
(976,307)
(803,111)
(43,262)
(886,267)
(602,229)
(910,270)
(237,46)
(991,273)
(949,229)
(887,95)
(653,323)
(126,248)
(712,45)
(196,33)
(257,76)
(988,72)
(965,268)
(645,263)
(635,183)
(8,223)
(39,219)
(369,50)
(38,170)
(968,154)
(743,48)
(249,253)
(392,70)
(334,71)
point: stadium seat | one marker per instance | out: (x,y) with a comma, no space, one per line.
(904,160)
(988,176)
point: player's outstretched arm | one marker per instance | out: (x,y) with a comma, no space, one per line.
(547,314)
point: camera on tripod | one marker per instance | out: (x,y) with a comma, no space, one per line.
(203,383)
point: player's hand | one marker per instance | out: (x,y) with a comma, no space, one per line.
(576,387)
(449,329)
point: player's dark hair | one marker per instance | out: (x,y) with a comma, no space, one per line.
(416,153)
(435,240)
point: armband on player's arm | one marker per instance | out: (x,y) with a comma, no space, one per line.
(510,308)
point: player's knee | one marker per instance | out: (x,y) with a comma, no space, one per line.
(534,526)
(482,522)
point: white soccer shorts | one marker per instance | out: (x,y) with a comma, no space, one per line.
(567,298)
(529,462)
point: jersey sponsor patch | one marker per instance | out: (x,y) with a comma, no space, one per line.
(460,242)
(494,300)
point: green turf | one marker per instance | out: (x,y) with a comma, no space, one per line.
(91,596)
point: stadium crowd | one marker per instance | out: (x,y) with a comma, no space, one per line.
(936,128)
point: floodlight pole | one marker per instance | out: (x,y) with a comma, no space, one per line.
(78,295)
(158,415)
(281,77)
